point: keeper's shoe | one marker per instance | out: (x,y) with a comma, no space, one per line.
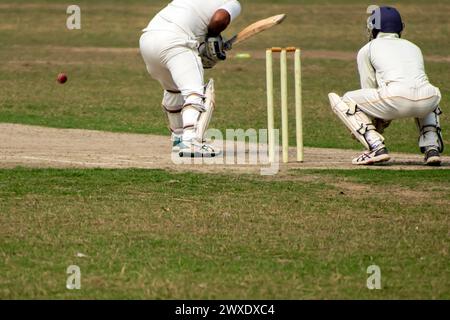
(432,157)
(378,155)
(194,149)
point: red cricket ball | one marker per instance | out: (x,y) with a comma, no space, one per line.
(62,78)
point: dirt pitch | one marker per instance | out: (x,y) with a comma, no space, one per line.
(40,147)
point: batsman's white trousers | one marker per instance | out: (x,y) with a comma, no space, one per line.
(396,100)
(172,59)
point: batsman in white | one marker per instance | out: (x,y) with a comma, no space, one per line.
(180,42)
(394,86)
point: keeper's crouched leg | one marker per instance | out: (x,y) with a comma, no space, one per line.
(430,139)
(362,128)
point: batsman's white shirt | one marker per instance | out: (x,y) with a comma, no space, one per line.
(193,16)
(393,80)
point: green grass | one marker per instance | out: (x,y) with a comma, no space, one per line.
(154,234)
(111,90)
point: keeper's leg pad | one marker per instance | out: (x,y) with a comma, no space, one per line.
(172,105)
(205,117)
(430,131)
(355,120)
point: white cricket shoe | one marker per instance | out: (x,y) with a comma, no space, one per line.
(194,149)
(378,155)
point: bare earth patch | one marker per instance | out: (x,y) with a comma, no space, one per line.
(41,147)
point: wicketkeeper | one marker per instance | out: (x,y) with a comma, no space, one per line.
(394,86)
(179,42)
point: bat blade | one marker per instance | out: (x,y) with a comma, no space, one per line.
(255,28)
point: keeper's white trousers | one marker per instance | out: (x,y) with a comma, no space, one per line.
(396,100)
(402,100)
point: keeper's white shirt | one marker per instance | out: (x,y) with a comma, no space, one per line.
(393,80)
(388,59)
(193,16)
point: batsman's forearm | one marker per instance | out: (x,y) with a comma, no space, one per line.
(219,22)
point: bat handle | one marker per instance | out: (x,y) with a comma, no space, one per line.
(228,45)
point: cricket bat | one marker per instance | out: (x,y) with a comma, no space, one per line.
(254,29)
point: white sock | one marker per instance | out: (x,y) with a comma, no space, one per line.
(373,139)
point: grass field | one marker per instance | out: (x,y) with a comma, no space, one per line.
(156,234)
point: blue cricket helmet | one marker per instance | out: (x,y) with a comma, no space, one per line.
(387,20)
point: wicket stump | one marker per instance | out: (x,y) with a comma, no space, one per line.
(284,103)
